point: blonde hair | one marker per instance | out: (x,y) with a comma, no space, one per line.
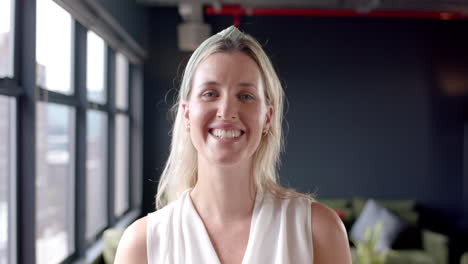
(180,172)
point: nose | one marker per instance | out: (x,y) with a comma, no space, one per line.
(227,109)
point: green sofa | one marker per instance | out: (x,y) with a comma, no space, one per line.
(414,246)
(464,258)
(111,238)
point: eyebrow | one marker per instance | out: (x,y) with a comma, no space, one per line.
(207,83)
(242,84)
(247,84)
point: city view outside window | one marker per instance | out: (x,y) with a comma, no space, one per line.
(53,47)
(96,173)
(95,65)
(6,38)
(121,164)
(55,182)
(7,148)
(121,81)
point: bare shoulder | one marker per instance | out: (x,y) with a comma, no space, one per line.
(325,220)
(330,240)
(132,246)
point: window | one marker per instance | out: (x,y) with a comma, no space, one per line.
(121,164)
(95,66)
(57,125)
(54,182)
(7,137)
(53,47)
(6,38)
(136,141)
(7,167)
(121,81)
(96,173)
(122,135)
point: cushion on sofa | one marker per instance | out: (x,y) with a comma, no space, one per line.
(410,236)
(404,209)
(369,217)
(398,205)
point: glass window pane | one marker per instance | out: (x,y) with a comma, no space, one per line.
(53,47)
(121,164)
(121,81)
(96,68)
(96,173)
(136,87)
(55,182)
(6,38)
(7,148)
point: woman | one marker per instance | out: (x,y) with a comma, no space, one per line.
(218,196)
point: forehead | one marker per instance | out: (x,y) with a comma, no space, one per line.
(232,66)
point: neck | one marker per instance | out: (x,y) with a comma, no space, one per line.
(224,194)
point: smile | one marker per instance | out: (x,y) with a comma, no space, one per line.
(226,134)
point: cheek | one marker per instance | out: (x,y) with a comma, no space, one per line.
(255,117)
(199,116)
(196,117)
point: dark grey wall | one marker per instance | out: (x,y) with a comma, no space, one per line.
(465,173)
(366,114)
(160,77)
(131,16)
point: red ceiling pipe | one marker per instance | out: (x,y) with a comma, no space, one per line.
(236,11)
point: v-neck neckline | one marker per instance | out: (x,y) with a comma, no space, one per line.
(205,231)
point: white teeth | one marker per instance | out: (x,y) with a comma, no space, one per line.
(221,133)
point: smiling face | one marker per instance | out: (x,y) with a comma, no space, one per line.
(226,110)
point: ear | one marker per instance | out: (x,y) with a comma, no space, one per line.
(269,114)
(185,108)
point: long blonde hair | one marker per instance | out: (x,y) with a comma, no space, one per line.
(180,172)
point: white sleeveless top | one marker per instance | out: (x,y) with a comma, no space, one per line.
(280,233)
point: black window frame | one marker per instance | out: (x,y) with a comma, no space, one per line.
(22,86)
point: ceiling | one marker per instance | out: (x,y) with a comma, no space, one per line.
(413,5)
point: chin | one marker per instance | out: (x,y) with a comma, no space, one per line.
(226,159)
